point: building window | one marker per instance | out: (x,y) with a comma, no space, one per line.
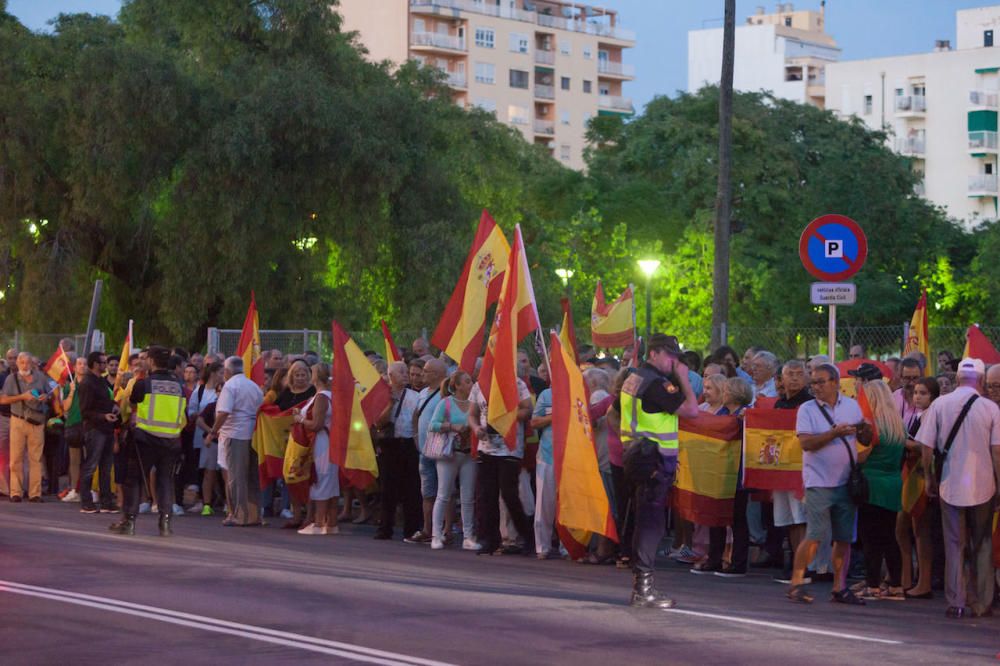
(564,47)
(485,104)
(518,43)
(987,38)
(988,168)
(588,53)
(518,78)
(485,38)
(604,90)
(587,87)
(868,105)
(788,21)
(518,115)
(564,152)
(419,25)
(485,72)
(586,117)
(564,83)
(564,117)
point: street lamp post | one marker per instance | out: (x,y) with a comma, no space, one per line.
(648,267)
(565,274)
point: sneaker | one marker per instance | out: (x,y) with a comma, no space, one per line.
(470,544)
(686,556)
(71,496)
(207,510)
(88,508)
(287,514)
(37,499)
(111,508)
(437,543)
(64,492)
(331,530)
(145,507)
(155,508)
(16,499)
(177,510)
(196,507)
(705,569)
(418,537)
(731,572)
(311,529)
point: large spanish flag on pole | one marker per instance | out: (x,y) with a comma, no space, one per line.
(917,339)
(460,332)
(582,506)
(708,466)
(612,324)
(517,316)
(391,350)
(977,345)
(359,396)
(248,347)
(772,455)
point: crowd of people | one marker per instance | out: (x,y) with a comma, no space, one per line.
(901,502)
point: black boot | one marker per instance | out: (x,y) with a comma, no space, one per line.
(165,529)
(644,595)
(125,526)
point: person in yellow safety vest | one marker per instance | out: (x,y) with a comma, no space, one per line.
(653,399)
(160,412)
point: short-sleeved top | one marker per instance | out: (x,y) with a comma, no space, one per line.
(697,383)
(909,413)
(883,469)
(543,407)
(37,382)
(427,401)
(768,390)
(967,478)
(404,406)
(4,409)
(201,397)
(240,398)
(287,399)
(830,466)
(495,445)
(73,416)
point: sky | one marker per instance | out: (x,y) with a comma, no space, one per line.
(863,29)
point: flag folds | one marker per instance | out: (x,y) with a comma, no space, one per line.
(57,367)
(612,325)
(582,506)
(359,396)
(248,347)
(123,361)
(391,350)
(567,333)
(460,332)
(772,455)
(298,467)
(917,339)
(516,317)
(977,345)
(708,466)
(270,437)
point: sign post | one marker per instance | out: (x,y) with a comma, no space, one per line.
(833,248)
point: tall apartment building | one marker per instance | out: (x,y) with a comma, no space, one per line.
(545,67)
(785,53)
(941,110)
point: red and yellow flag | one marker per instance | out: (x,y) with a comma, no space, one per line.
(391,350)
(918,339)
(248,347)
(57,367)
(977,345)
(298,467)
(582,506)
(567,333)
(772,455)
(708,466)
(612,325)
(359,397)
(868,413)
(460,332)
(517,316)
(270,438)
(123,361)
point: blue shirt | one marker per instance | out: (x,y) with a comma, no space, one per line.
(543,407)
(427,401)
(697,383)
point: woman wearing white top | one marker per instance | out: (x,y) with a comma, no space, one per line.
(202,397)
(316,417)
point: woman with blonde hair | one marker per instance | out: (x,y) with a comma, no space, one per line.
(714,394)
(316,416)
(881,464)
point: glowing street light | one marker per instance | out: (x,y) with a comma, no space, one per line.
(648,268)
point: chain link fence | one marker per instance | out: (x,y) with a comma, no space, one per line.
(43,344)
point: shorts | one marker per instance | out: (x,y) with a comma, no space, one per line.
(829,511)
(208,457)
(428,477)
(788,509)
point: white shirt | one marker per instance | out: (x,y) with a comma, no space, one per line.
(402,415)
(495,445)
(240,398)
(830,466)
(196,407)
(968,470)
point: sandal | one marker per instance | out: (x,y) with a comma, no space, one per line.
(847,597)
(292,525)
(593,558)
(799,594)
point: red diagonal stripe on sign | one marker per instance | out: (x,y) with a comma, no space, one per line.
(847,260)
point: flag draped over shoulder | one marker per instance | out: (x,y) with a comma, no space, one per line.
(391,350)
(270,438)
(57,367)
(918,339)
(708,466)
(977,345)
(582,506)
(612,325)
(359,397)
(248,347)
(517,316)
(772,455)
(460,332)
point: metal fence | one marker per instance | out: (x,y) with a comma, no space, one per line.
(43,344)
(224,341)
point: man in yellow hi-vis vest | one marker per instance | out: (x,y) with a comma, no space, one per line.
(653,398)
(160,410)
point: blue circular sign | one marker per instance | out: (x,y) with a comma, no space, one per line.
(833,248)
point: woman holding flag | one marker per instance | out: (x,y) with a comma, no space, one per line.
(316,416)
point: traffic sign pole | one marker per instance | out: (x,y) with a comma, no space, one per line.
(832,335)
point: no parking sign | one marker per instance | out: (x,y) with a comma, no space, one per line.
(833,248)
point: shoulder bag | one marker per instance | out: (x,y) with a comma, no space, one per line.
(441,445)
(35,415)
(857,484)
(940,456)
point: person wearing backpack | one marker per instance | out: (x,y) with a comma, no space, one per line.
(26,390)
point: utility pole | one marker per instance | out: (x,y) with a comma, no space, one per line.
(724,194)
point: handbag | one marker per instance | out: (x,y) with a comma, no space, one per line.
(940,456)
(30,413)
(857,483)
(441,445)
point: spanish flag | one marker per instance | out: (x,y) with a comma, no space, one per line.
(460,332)
(298,467)
(359,397)
(57,367)
(582,506)
(977,345)
(391,350)
(248,347)
(517,316)
(708,466)
(567,334)
(917,339)
(123,361)
(868,413)
(270,437)
(772,455)
(612,325)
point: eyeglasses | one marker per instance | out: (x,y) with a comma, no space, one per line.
(993,387)
(819,382)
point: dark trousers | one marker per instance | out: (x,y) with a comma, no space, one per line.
(969,577)
(145,452)
(741,536)
(774,546)
(877,531)
(98,450)
(187,472)
(650,517)
(55,455)
(399,473)
(624,510)
(496,477)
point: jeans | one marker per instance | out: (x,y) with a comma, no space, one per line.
(99,449)
(498,476)
(143,453)
(462,467)
(545,506)
(650,516)
(399,474)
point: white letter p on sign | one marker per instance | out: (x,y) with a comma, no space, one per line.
(833,249)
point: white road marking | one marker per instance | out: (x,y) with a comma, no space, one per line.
(783,626)
(285,638)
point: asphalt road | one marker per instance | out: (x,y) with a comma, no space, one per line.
(69,590)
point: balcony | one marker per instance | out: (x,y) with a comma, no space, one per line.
(983,100)
(615,103)
(544,92)
(983,185)
(545,127)
(449,7)
(982,142)
(919,189)
(911,146)
(611,68)
(434,40)
(911,105)
(457,80)
(543,57)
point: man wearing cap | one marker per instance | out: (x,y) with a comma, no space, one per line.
(653,398)
(967,487)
